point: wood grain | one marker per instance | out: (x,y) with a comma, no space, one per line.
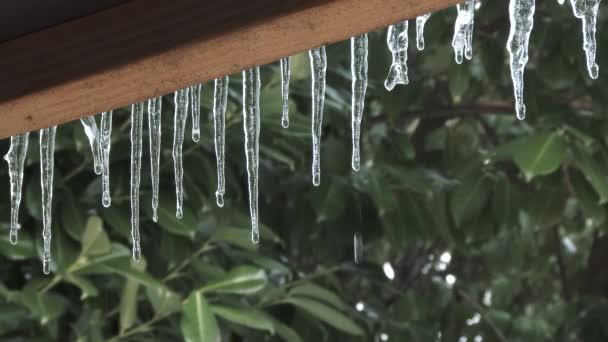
(148,48)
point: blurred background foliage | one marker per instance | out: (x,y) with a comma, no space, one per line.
(476,226)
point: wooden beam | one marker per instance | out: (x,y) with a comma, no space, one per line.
(148,48)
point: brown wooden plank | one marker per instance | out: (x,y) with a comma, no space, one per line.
(148,48)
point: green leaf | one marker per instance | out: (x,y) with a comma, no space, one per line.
(128,305)
(24,249)
(243,280)
(86,287)
(249,317)
(186,226)
(234,236)
(469,198)
(594,173)
(44,305)
(286,332)
(315,291)
(163,301)
(72,216)
(540,154)
(95,241)
(198,322)
(327,314)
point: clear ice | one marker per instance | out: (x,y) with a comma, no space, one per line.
(420,22)
(285,77)
(251,127)
(47,161)
(220,96)
(195,107)
(90,129)
(179,126)
(105,145)
(521,14)
(318,69)
(359,52)
(586,11)
(463,31)
(137,118)
(16,160)
(398,42)
(154,128)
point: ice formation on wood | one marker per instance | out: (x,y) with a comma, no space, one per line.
(137,117)
(359,53)
(398,42)
(179,126)
(251,127)
(90,129)
(154,128)
(47,165)
(285,77)
(220,97)
(195,106)
(318,66)
(105,144)
(16,160)
(463,31)
(420,23)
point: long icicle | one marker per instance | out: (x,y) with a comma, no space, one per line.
(285,77)
(251,127)
(179,126)
(154,128)
(318,69)
(463,31)
(47,161)
(195,107)
(90,129)
(397,41)
(586,11)
(220,97)
(359,52)
(521,14)
(137,118)
(420,23)
(16,160)
(105,144)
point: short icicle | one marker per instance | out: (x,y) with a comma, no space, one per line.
(251,127)
(285,77)
(16,160)
(521,14)
(105,144)
(398,42)
(220,97)
(586,11)
(137,118)
(90,129)
(47,162)
(420,23)
(179,126)
(463,31)
(195,107)
(154,128)
(318,66)
(359,66)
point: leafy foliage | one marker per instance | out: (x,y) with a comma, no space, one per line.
(494,227)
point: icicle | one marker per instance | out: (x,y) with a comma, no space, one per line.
(16,159)
(137,118)
(358,247)
(106,144)
(586,10)
(195,107)
(398,42)
(318,66)
(179,126)
(220,97)
(285,77)
(358,51)
(463,31)
(154,119)
(420,22)
(90,129)
(47,161)
(521,13)
(251,126)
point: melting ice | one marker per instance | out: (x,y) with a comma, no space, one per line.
(398,42)
(521,14)
(463,31)
(16,160)
(251,128)
(318,69)
(359,53)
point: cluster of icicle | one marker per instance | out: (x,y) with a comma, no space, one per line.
(521,13)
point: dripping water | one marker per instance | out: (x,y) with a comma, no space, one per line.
(16,159)
(251,127)
(105,145)
(397,41)
(47,161)
(179,126)
(359,53)
(137,117)
(220,96)
(318,66)
(154,128)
